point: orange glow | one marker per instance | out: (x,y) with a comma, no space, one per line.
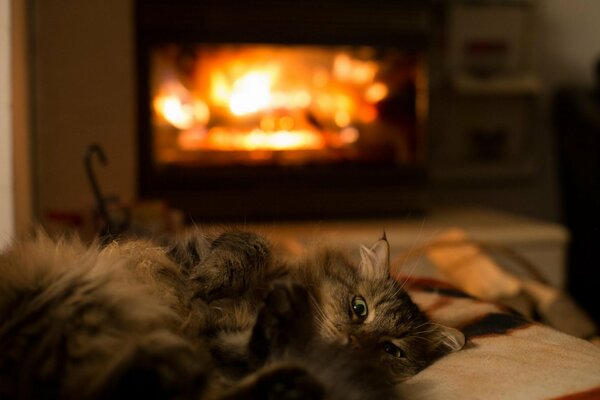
(191,139)
(258,139)
(286,123)
(357,71)
(342,67)
(201,112)
(320,77)
(376,92)
(240,98)
(221,91)
(342,118)
(368,114)
(349,135)
(267,124)
(251,93)
(173,104)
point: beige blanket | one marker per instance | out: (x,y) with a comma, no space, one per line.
(506,355)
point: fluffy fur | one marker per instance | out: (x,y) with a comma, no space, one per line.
(82,322)
(205,317)
(393,326)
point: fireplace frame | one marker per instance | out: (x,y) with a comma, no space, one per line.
(282,192)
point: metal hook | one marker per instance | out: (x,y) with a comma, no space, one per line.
(96,150)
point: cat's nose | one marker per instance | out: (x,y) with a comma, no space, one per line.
(354,343)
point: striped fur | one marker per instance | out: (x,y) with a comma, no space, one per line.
(84,322)
(138,319)
(334,280)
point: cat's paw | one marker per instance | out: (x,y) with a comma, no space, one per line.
(234,264)
(284,322)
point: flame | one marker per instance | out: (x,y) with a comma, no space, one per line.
(257,139)
(221,91)
(376,92)
(192,139)
(349,135)
(356,71)
(173,103)
(176,105)
(257,99)
(201,112)
(341,119)
(251,93)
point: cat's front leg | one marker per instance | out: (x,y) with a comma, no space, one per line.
(235,263)
(284,323)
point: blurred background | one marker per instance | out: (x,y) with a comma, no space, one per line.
(301,110)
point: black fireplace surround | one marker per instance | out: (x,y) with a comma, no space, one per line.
(263,192)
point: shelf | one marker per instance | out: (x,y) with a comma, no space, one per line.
(522,85)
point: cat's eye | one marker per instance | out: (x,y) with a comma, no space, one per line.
(393,350)
(359,307)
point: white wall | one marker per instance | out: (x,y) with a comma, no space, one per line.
(6,181)
(569,41)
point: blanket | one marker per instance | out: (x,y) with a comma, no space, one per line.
(507,356)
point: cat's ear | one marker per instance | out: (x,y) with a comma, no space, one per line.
(375,261)
(449,339)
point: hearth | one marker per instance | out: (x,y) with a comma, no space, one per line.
(303,109)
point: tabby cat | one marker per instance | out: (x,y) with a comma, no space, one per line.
(355,304)
(206,317)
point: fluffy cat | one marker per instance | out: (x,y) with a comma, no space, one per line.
(293,363)
(362,305)
(356,304)
(204,317)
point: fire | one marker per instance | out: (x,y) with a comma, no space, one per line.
(273,100)
(357,71)
(376,92)
(174,104)
(258,139)
(251,93)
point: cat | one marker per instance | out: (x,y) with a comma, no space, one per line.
(204,317)
(293,363)
(355,304)
(362,305)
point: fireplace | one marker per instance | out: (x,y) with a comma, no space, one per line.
(254,110)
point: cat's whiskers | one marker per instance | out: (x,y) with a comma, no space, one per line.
(423,338)
(396,291)
(409,255)
(436,324)
(424,324)
(323,321)
(421,250)
(322,318)
(427,331)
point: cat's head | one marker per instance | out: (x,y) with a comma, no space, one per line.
(363,306)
